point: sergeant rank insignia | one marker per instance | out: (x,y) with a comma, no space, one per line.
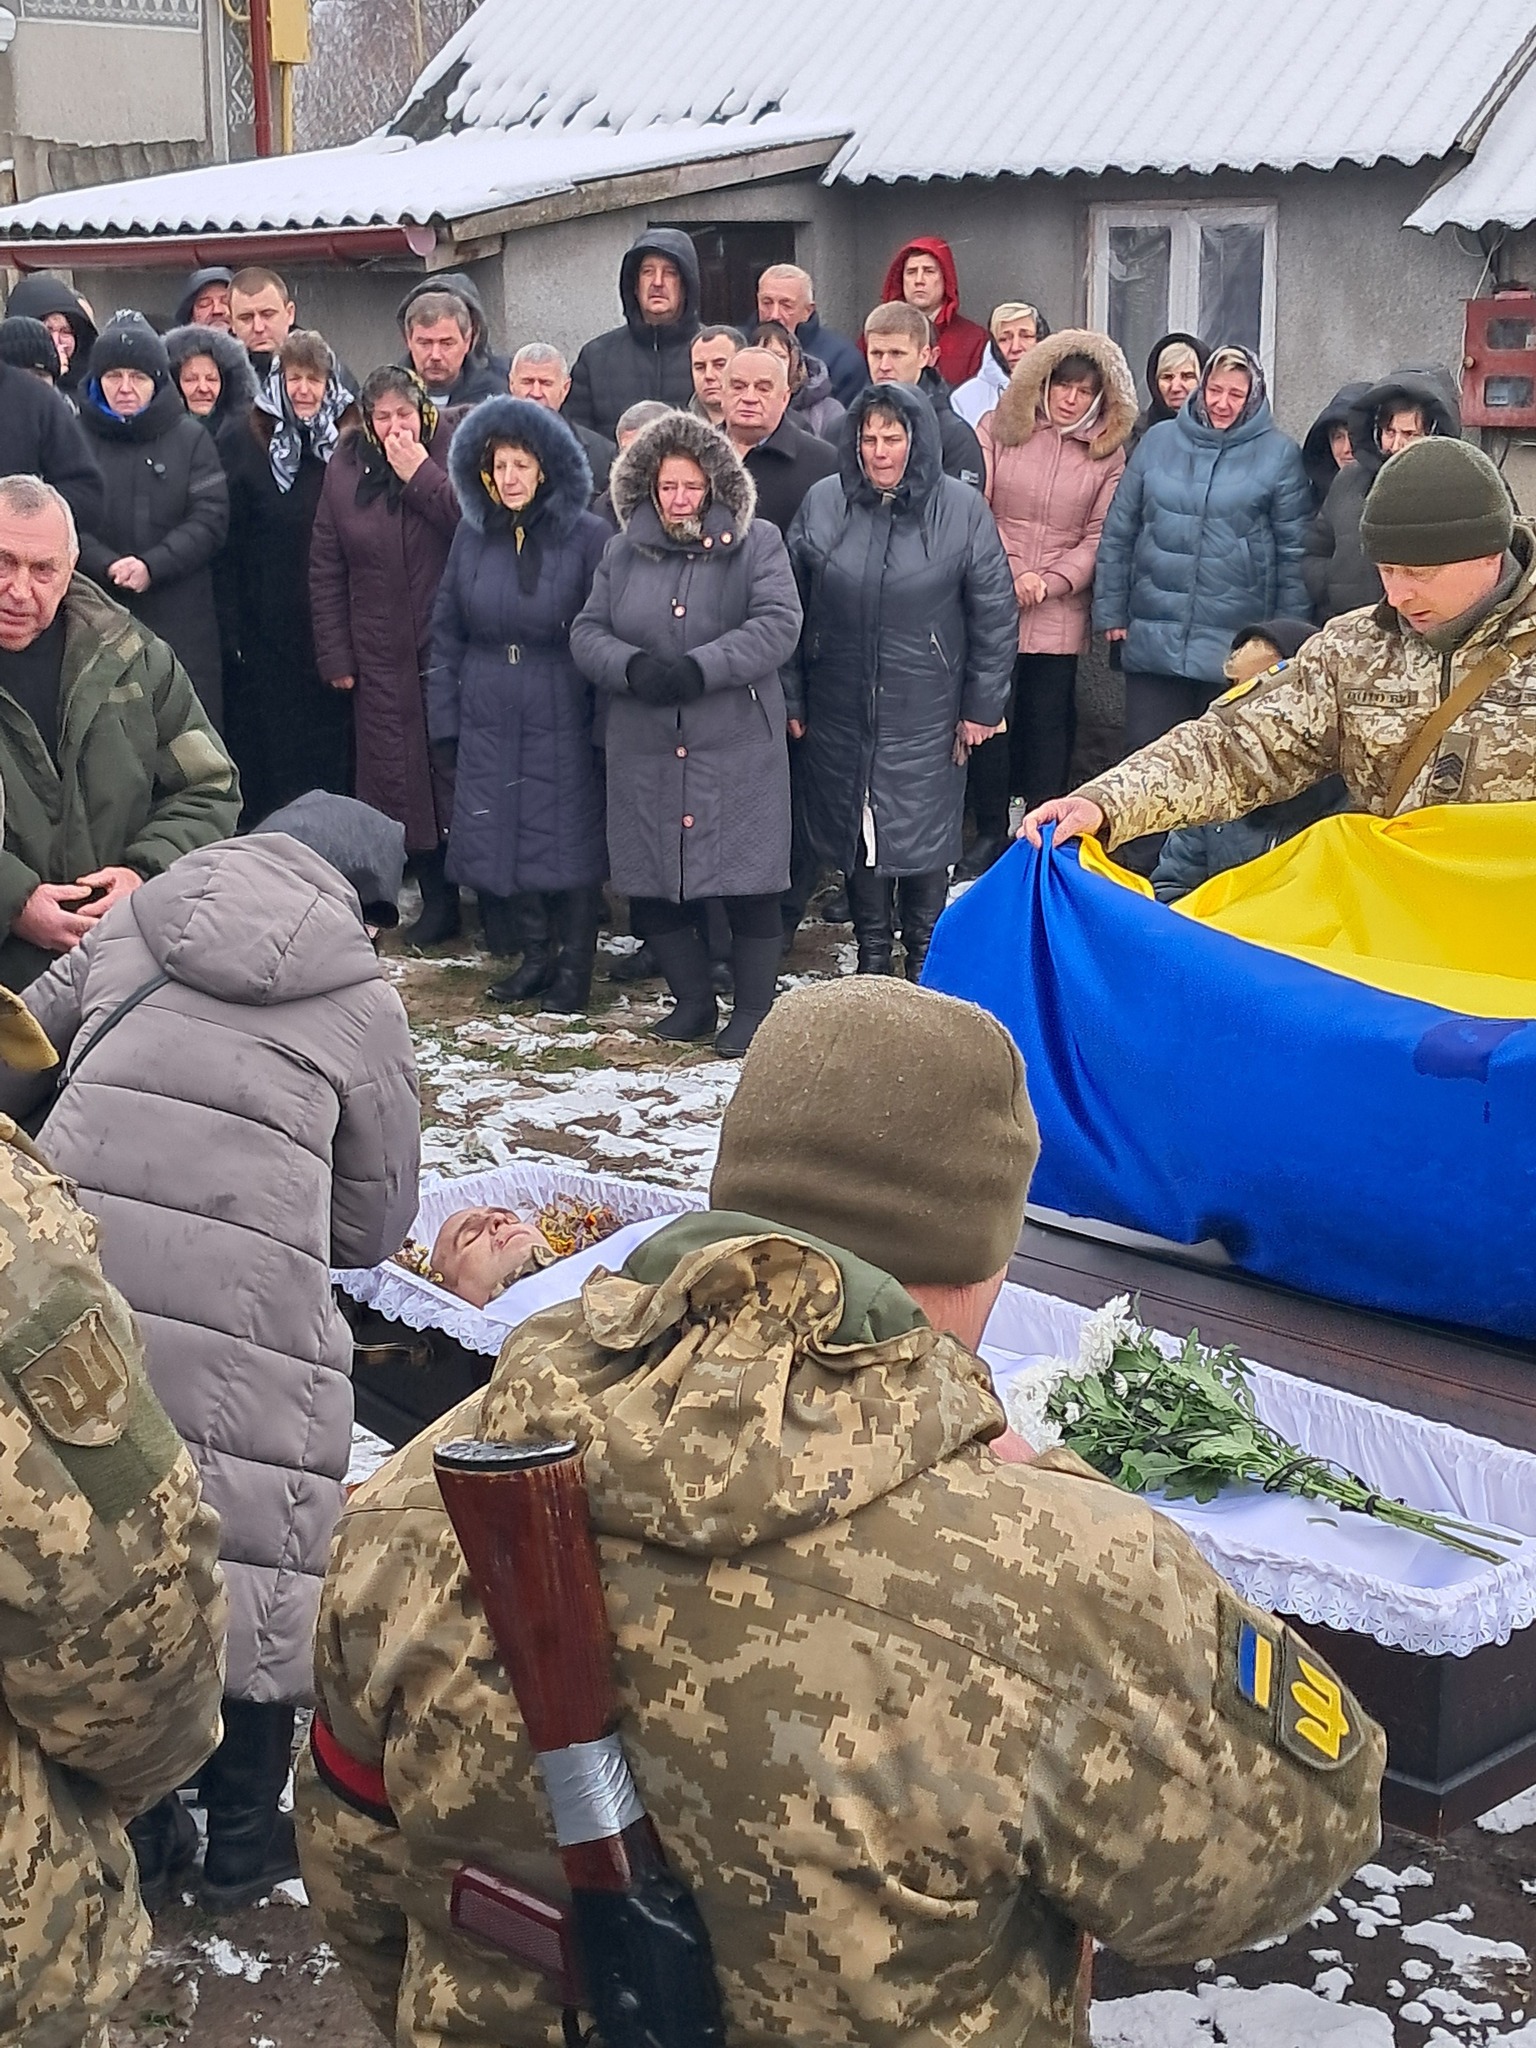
(1270,1676)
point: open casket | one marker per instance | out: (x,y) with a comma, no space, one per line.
(1440,1648)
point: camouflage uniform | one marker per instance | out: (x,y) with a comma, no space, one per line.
(907,1717)
(111,1609)
(1349,703)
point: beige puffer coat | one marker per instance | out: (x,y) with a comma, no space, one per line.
(251,1124)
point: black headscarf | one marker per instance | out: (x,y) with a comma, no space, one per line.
(379,478)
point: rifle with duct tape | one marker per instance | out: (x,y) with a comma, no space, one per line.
(631,1946)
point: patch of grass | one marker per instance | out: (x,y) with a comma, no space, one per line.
(560,1059)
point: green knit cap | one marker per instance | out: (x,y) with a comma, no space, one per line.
(1438,501)
(889,1120)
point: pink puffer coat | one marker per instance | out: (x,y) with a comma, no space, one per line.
(1049,488)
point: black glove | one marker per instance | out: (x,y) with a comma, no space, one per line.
(687,680)
(650,678)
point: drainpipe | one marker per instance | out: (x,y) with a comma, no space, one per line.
(261,76)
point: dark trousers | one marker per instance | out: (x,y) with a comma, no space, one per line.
(749,917)
(1032,758)
(1155,705)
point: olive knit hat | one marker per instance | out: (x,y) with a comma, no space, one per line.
(889,1120)
(1437,501)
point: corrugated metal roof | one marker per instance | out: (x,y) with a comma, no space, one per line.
(994,86)
(388,179)
(1500,182)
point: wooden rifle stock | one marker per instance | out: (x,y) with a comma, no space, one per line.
(634,1950)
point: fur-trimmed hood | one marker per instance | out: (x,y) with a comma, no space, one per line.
(1019,407)
(238,393)
(567,486)
(732,493)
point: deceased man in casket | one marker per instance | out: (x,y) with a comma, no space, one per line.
(478,1253)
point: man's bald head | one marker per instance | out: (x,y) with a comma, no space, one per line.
(38,551)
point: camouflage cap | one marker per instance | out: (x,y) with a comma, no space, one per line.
(889,1120)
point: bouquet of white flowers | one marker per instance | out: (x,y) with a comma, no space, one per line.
(1185,1426)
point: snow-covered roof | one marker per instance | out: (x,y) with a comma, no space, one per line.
(1499,184)
(389,179)
(1001,86)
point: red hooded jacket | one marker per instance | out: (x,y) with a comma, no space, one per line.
(962,344)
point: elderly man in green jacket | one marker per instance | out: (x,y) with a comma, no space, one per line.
(110,767)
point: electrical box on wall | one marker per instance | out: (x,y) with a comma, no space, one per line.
(1498,383)
(288,26)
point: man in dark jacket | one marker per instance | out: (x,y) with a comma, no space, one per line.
(448,342)
(901,350)
(41,436)
(648,356)
(781,458)
(1410,405)
(785,293)
(111,769)
(539,373)
(63,312)
(205,302)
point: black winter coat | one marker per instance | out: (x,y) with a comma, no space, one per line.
(784,466)
(698,792)
(1338,575)
(616,370)
(167,502)
(959,446)
(502,685)
(289,731)
(228,427)
(911,626)
(40,436)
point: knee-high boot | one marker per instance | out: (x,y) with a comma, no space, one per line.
(574,915)
(920,903)
(695,1011)
(538,968)
(250,1845)
(439,917)
(755,970)
(870,898)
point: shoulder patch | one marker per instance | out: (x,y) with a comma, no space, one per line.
(1240,690)
(81,1387)
(1272,1681)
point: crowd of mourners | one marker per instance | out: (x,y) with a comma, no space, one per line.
(709,619)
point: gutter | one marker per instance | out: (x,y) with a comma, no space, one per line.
(344,245)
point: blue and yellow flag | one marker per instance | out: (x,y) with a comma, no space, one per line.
(1324,1060)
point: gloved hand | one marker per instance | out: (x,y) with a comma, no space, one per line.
(650,678)
(687,680)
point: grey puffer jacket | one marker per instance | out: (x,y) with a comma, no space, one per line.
(911,625)
(698,793)
(249,1125)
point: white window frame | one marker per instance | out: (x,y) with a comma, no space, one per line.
(1185,223)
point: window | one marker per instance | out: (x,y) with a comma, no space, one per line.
(1207,269)
(732,256)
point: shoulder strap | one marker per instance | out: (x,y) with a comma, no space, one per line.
(132,1002)
(1496,663)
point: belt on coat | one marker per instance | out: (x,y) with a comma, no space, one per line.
(356,1784)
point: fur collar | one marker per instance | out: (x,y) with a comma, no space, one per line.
(633,477)
(567,473)
(239,379)
(1015,419)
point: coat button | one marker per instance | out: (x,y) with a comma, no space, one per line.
(682,753)
(708,540)
(725,540)
(679,611)
(687,820)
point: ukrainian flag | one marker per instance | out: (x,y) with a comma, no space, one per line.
(1324,1060)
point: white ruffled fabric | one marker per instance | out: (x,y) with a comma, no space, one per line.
(1301,1557)
(408,1299)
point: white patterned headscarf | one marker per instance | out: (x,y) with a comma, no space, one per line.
(286,450)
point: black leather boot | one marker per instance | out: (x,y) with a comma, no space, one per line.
(499,923)
(165,1849)
(439,917)
(755,966)
(250,1844)
(574,915)
(538,966)
(920,901)
(641,965)
(695,1011)
(871,903)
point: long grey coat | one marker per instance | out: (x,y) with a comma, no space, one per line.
(248,1126)
(698,794)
